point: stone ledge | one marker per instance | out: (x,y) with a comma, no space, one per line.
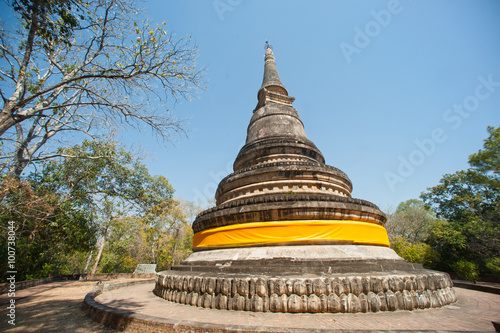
(250,152)
(19,285)
(332,169)
(116,276)
(337,253)
(148,313)
(285,267)
(284,207)
(278,141)
(487,288)
(290,198)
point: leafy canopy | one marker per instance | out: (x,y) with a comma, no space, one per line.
(469,203)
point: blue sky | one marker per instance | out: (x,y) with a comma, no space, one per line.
(394,93)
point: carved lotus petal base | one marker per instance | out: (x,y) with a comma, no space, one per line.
(366,292)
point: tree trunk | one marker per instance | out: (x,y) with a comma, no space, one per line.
(174,248)
(88,262)
(101,247)
(7,119)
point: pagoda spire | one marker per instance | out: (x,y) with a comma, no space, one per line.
(272,88)
(271,80)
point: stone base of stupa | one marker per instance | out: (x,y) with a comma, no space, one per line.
(304,278)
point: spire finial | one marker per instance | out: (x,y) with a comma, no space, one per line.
(272,89)
(271,80)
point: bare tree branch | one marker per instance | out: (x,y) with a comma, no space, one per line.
(120,71)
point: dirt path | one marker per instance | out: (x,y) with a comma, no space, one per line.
(53,310)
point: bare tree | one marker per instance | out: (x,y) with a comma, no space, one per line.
(113,69)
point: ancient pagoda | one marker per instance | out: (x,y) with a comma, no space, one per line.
(286,235)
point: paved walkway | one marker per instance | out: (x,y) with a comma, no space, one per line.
(32,291)
(474,311)
(48,308)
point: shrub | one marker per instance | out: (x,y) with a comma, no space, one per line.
(466,270)
(415,252)
(493,265)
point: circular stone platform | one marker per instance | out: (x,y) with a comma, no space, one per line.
(136,308)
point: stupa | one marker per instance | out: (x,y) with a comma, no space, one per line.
(286,235)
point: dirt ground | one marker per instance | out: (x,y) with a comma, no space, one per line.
(54,310)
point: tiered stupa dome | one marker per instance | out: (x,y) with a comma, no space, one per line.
(281,176)
(286,235)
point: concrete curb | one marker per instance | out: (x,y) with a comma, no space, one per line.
(479,287)
(20,285)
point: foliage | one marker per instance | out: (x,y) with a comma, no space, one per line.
(122,245)
(101,193)
(469,202)
(72,262)
(95,173)
(87,67)
(45,226)
(163,236)
(107,182)
(169,235)
(493,266)
(52,20)
(411,220)
(463,196)
(466,270)
(487,161)
(472,193)
(421,253)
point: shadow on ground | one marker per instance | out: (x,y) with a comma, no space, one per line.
(44,315)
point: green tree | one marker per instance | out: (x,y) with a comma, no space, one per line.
(487,161)
(463,196)
(46,227)
(163,236)
(75,200)
(168,233)
(123,250)
(408,228)
(469,202)
(87,67)
(108,182)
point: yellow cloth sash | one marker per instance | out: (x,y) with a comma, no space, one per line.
(289,232)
